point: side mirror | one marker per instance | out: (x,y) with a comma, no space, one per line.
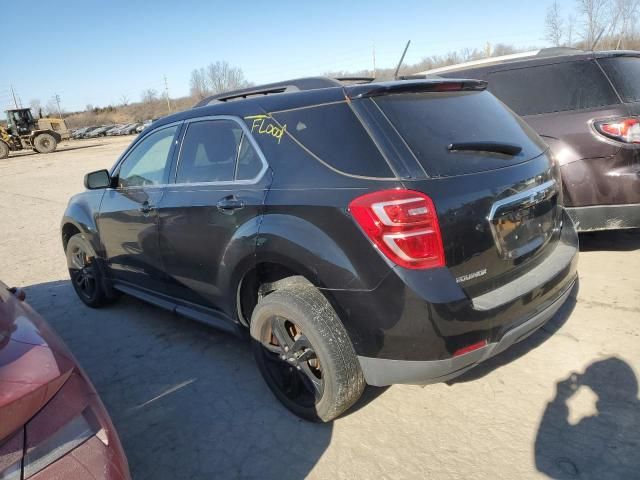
(98,179)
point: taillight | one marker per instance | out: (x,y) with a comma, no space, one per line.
(625,130)
(403,224)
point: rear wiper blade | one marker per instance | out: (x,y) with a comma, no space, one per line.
(497,147)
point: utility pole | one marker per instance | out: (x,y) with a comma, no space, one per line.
(57,97)
(374,60)
(166,93)
(14,96)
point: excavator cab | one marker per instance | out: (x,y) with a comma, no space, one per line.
(21,122)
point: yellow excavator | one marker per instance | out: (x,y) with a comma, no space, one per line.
(24,132)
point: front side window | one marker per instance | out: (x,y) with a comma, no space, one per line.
(147,163)
(552,88)
(212,150)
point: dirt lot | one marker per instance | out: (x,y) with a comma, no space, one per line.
(188,401)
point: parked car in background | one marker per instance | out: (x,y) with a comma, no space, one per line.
(380,233)
(586,105)
(52,422)
(82,132)
(144,125)
(98,132)
(114,130)
(130,129)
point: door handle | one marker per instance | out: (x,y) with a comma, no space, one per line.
(146,208)
(229,205)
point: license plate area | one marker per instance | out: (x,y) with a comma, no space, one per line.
(525,221)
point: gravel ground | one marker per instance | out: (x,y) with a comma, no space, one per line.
(188,401)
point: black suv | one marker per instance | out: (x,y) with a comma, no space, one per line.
(374,233)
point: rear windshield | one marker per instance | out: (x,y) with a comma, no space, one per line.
(553,88)
(334,134)
(430,122)
(624,73)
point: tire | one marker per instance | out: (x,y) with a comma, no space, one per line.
(320,377)
(45,143)
(86,275)
(4,150)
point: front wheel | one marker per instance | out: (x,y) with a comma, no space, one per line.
(304,353)
(45,143)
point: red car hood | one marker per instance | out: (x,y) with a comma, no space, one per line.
(34,363)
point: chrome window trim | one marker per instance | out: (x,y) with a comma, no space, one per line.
(246,132)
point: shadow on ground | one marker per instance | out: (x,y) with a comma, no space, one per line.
(610,240)
(605,444)
(188,402)
(60,149)
(519,349)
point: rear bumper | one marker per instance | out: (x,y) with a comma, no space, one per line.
(381,372)
(605,217)
(437,318)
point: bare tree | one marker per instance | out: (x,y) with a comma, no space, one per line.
(52,107)
(502,49)
(222,77)
(594,18)
(626,17)
(124,100)
(554,25)
(198,84)
(36,107)
(149,95)
(571,23)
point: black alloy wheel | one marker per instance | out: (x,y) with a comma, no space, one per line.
(292,362)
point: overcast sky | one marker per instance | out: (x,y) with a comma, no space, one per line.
(95,54)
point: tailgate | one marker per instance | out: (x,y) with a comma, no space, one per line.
(495,188)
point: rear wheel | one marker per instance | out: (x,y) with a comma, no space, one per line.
(86,276)
(4,150)
(304,353)
(45,143)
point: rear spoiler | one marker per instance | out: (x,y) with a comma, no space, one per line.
(413,86)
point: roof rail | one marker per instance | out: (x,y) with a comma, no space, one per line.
(556,51)
(296,85)
(545,52)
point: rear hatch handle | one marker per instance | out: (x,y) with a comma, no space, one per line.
(497,147)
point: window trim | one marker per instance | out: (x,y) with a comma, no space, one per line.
(246,133)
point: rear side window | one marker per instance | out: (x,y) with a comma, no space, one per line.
(624,73)
(209,152)
(430,122)
(334,134)
(249,164)
(553,88)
